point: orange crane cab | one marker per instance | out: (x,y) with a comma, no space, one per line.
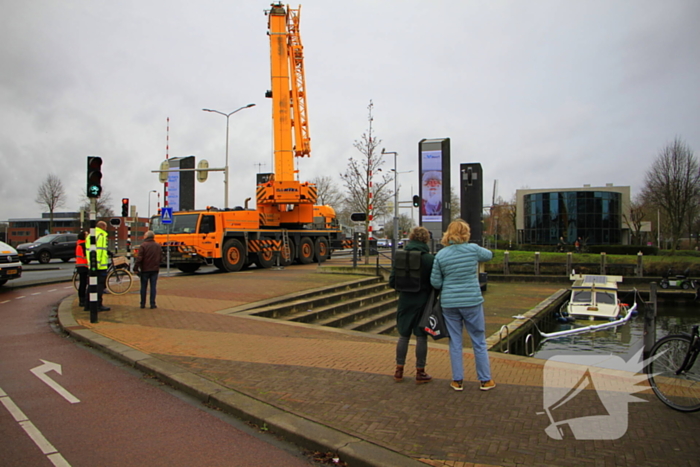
(286,226)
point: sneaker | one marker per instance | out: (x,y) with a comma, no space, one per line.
(487,385)
(457,385)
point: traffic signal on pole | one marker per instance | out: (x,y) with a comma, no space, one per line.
(94,177)
(416,201)
(125,207)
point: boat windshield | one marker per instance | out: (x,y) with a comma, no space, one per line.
(582,296)
(184,223)
(605,298)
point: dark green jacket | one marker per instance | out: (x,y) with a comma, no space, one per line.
(411,304)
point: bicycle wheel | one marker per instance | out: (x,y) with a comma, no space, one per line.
(680,392)
(76,279)
(119,281)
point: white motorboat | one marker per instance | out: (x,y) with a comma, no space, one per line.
(594,297)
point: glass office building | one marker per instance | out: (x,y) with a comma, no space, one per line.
(595,215)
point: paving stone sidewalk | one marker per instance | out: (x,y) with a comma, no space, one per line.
(342,380)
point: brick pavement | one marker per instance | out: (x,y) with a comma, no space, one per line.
(342,380)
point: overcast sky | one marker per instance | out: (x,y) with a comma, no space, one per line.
(544,94)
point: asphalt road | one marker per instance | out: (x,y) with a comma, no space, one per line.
(64,404)
(35,274)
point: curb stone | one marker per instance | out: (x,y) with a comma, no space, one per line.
(303,432)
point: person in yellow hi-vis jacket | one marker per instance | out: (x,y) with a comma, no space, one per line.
(102,262)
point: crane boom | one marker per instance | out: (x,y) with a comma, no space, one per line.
(283,199)
(291,129)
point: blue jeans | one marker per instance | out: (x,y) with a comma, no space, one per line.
(473,318)
(147,277)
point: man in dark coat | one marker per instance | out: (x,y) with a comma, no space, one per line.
(410,308)
(147,265)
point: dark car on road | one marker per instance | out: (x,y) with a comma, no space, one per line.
(43,249)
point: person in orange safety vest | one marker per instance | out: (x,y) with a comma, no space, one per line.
(81,263)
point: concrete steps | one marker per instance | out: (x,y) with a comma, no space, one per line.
(366,305)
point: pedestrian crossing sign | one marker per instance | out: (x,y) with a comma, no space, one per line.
(166,215)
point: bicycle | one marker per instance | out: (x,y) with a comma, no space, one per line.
(119,278)
(671,371)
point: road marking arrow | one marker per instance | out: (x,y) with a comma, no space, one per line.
(40,372)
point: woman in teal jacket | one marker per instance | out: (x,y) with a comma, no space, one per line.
(456,274)
(410,309)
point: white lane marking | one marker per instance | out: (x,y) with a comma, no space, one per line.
(36,293)
(33,432)
(37,437)
(58,460)
(6,301)
(40,372)
(11,407)
(21,297)
(52,290)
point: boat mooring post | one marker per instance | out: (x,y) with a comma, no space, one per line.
(650,321)
(640,264)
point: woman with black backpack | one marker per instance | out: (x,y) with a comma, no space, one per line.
(410,276)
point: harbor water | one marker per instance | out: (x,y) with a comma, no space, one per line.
(624,341)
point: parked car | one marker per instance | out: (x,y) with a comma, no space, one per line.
(10,266)
(45,248)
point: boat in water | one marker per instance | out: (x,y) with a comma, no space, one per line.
(594,297)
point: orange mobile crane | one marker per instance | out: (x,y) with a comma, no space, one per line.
(286,225)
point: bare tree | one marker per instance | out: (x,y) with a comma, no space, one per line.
(102,206)
(455,213)
(405,225)
(635,219)
(328,192)
(672,185)
(368,188)
(51,195)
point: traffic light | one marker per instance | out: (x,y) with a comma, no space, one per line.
(416,201)
(358,216)
(94,177)
(125,207)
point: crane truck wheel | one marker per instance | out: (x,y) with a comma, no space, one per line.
(233,257)
(322,249)
(306,250)
(287,257)
(265,259)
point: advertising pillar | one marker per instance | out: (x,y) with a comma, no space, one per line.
(434,171)
(472,199)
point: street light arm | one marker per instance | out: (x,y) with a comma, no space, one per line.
(227,131)
(215,111)
(231,113)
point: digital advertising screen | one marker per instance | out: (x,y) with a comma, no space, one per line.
(174,190)
(431,186)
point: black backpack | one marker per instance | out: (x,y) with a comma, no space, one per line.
(407,271)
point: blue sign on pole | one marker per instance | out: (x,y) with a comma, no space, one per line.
(166,215)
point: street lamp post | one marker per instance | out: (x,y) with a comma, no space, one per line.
(227,115)
(394,240)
